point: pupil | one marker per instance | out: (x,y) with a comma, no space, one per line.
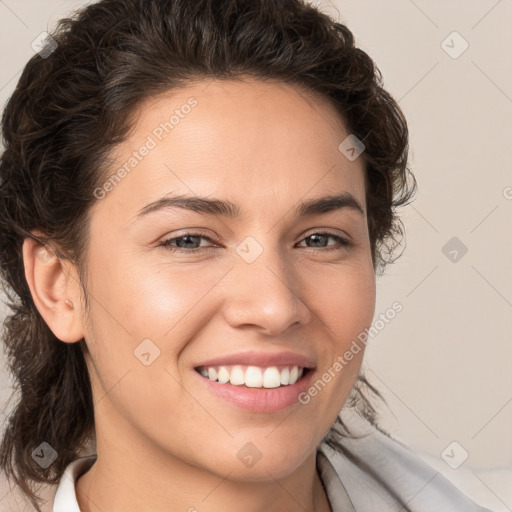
(315,236)
(183,238)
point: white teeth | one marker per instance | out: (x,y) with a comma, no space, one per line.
(237,376)
(294,375)
(222,375)
(271,378)
(253,376)
(285,376)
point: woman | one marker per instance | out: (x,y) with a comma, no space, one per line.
(208,376)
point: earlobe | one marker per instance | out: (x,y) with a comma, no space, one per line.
(55,290)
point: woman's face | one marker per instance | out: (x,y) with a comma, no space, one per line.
(265,285)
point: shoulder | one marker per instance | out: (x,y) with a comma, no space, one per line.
(380,473)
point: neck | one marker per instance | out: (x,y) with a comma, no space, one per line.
(128,488)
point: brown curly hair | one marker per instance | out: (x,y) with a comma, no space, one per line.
(69,110)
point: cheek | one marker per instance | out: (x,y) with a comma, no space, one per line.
(144,298)
(168,305)
(345,308)
(168,300)
(345,301)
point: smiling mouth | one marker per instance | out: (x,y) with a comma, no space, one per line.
(254,376)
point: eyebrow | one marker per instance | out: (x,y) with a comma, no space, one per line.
(225,208)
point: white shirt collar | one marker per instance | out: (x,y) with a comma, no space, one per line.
(65,498)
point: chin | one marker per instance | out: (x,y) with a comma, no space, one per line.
(265,460)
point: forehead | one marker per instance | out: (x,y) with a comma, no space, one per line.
(247,141)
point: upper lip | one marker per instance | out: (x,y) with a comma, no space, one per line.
(262,359)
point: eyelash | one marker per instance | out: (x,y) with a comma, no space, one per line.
(167,243)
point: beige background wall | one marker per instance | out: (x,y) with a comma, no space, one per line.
(444,363)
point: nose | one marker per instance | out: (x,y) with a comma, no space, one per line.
(266,294)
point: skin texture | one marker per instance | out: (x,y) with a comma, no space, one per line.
(164,441)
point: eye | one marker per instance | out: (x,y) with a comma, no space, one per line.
(188,239)
(326,235)
(184,241)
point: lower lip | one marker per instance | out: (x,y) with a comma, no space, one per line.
(259,399)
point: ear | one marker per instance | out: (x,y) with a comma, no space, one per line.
(55,289)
